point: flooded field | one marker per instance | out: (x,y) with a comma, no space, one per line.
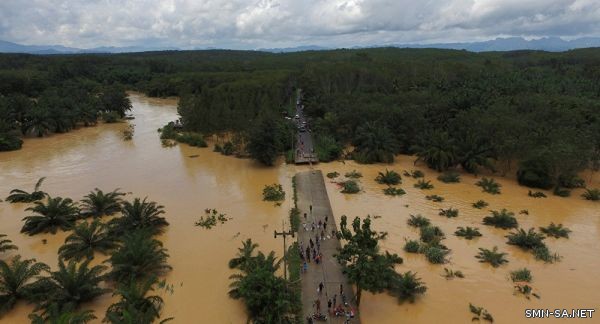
(571,283)
(187,180)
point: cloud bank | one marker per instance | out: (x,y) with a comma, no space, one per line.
(248,24)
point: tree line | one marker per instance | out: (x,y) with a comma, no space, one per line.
(529,112)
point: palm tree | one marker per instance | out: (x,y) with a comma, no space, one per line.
(56,213)
(38,121)
(526,240)
(489,185)
(437,150)
(135,306)
(388,177)
(72,285)
(418,221)
(18,195)
(16,280)
(407,286)
(54,316)
(244,255)
(492,257)
(474,152)
(86,239)
(469,232)
(97,203)
(502,219)
(140,256)
(6,244)
(374,142)
(139,215)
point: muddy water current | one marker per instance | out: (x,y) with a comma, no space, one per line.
(187,180)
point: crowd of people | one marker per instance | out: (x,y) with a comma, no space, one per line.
(311,253)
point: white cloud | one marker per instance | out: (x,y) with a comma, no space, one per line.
(273,23)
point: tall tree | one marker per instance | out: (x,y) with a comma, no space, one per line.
(362,262)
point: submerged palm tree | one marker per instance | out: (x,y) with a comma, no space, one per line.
(140,256)
(87,239)
(492,257)
(388,177)
(54,316)
(17,280)
(55,213)
(407,286)
(18,195)
(72,285)
(140,215)
(6,244)
(98,203)
(503,219)
(244,255)
(135,306)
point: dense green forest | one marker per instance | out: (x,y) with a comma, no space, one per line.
(534,113)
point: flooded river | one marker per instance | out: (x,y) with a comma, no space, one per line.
(187,180)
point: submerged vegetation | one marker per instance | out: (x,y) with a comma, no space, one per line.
(556,231)
(210,219)
(423,184)
(266,295)
(493,257)
(503,219)
(55,213)
(449,177)
(591,194)
(18,195)
(449,213)
(434,198)
(393,191)
(273,192)
(418,221)
(389,178)
(480,204)
(521,275)
(350,187)
(489,185)
(468,232)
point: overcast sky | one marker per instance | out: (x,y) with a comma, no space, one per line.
(253,24)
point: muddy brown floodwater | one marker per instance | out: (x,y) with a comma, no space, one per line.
(76,162)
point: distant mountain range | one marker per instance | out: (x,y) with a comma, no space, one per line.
(551,44)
